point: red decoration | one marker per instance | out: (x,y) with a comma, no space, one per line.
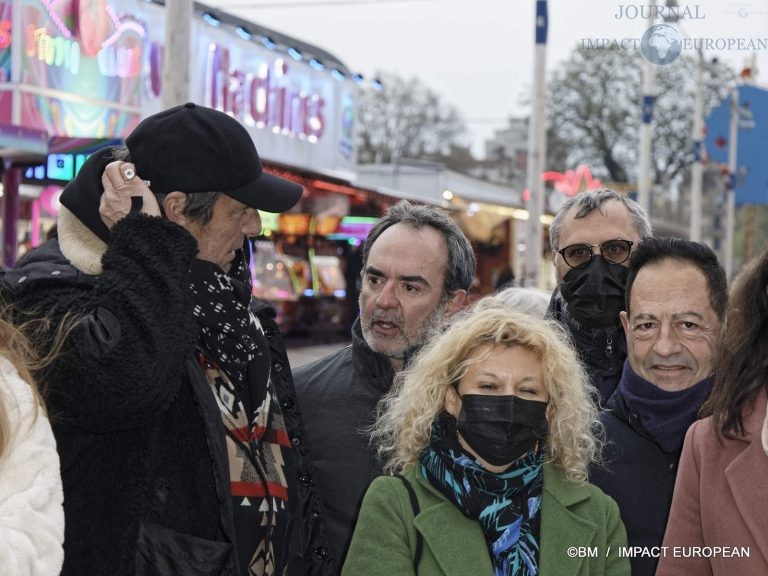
(570,183)
(93,25)
(5,34)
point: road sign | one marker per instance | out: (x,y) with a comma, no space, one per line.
(752,171)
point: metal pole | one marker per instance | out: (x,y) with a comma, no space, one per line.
(697,170)
(178,27)
(730,214)
(536,151)
(644,175)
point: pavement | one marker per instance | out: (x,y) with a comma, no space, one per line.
(298,355)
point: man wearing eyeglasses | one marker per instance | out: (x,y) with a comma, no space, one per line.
(592,236)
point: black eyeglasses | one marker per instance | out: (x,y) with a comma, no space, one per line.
(579,255)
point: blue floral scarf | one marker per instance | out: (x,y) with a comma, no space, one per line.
(506,505)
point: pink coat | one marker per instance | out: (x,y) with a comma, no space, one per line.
(720,500)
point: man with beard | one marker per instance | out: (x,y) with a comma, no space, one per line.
(676,299)
(592,237)
(417,270)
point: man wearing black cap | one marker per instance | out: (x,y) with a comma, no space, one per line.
(165,394)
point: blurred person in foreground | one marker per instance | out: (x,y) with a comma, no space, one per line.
(417,270)
(164,401)
(676,298)
(31,512)
(527,300)
(592,236)
(492,428)
(720,498)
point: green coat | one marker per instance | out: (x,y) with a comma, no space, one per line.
(573,514)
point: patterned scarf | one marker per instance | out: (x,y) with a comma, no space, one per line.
(506,505)
(226,329)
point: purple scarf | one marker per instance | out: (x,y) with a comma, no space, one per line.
(664,415)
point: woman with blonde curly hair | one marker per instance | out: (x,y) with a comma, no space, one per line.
(492,428)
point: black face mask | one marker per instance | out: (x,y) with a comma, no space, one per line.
(595,293)
(500,429)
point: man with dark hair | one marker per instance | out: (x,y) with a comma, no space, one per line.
(165,401)
(676,298)
(417,269)
(592,236)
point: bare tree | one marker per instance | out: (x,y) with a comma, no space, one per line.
(595,113)
(405,119)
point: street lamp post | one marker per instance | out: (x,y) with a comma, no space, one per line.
(649,82)
(178,27)
(730,209)
(536,151)
(697,170)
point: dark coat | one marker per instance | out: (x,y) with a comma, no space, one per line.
(639,475)
(141,438)
(602,351)
(338,396)
(143,460)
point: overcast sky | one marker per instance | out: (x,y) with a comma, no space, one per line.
(478,54)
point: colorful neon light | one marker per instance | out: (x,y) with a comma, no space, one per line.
(121,27)
(570,182)
(263,98)
(5,34)
(50,6)
(123,62)
(54,51)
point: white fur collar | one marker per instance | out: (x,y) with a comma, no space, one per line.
(78,244)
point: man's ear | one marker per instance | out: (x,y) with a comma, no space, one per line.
(173,206)
(459,299)
(624,321)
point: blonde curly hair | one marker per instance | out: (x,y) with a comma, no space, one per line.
(405,415)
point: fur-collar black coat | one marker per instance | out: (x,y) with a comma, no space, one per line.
(139,434)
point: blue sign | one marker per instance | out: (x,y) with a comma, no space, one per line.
(752,150)
(648,102)
(542,22)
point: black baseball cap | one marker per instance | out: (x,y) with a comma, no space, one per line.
(191,148)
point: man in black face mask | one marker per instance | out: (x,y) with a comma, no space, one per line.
(592,237)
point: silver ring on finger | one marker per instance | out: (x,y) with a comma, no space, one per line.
(129,173)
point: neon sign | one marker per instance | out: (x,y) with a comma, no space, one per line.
(53,50)
(94,19)
(570,182)
(120,62)
(262,98)
(62,167)
(5,34)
